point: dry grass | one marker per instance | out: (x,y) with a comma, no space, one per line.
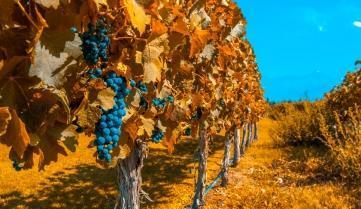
(267,177)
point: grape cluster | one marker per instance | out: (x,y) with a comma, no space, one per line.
(108,129)
(142,87)
(157,135)
(95,43)
(160,103)
(95,73)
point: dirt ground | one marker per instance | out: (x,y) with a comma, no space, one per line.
(267,177)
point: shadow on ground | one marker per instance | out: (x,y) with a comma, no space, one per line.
(87,186)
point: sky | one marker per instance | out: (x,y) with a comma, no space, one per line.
(303,47)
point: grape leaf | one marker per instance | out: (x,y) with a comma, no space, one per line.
(58,94)
(103,98)
(131,127)
(158,28)
(6,13)
(51,69)
(66,134)
(49,3)
(137,15)
(236,32)
(147,126)
(198,41)
(88,117)
(153,64)
(16,135)
(5,118)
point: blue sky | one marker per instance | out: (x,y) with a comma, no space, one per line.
(303,47)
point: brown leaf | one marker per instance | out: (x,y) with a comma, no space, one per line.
(88,117)
(50,148)
(170,138)
(198,41)
(131,127)
(16,135)
(51,93)
(158,28)
(5,118)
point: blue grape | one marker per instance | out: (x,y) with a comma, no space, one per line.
(157,135)
(95,44)
(159,103)
(143,88)
(73,29)
(109,125)
(108,139)
(132,83)
(106,131)
(100,148)
(100,140)
(170,99)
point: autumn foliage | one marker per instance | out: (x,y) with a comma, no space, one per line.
(195,51)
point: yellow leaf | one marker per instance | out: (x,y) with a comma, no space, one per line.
(137,15)
(147,127)
(104,98)
(153,64)
(124,151)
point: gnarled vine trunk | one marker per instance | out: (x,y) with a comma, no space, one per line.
(249,135)
(237,146)
(226,163)
(244,139)
(129,177)
(255,131)
(198,200)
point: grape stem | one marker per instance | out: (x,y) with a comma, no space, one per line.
(27,15)
(126,38)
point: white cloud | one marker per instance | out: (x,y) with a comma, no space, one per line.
(357,24)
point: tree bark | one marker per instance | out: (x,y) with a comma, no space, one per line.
(198,200)
(237,146)
(225,163)
(129,177)
(244,139)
